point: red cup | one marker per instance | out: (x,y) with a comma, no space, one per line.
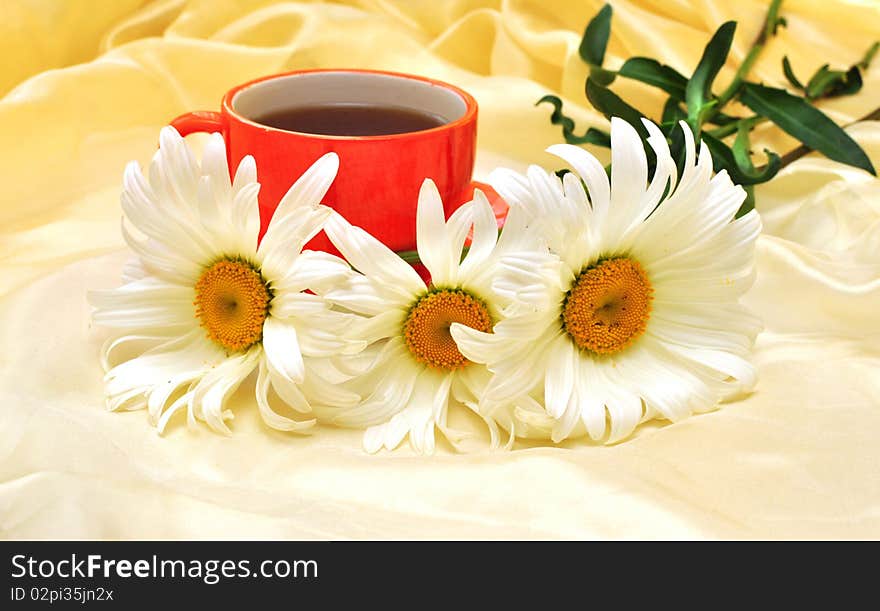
(379,176)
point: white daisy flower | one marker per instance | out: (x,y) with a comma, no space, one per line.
(412,366)
(213,305)
(634,311)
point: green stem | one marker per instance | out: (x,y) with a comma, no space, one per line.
(410,256)
(732,128)
(743,72)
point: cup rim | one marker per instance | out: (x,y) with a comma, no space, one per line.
(469,115)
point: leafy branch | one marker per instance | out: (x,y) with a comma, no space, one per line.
(692,99)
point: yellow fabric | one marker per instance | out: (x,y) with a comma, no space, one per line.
(797,458)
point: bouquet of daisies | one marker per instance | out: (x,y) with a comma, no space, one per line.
(602,303)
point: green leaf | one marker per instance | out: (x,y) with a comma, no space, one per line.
(678,150)
(821,80)
(699,88)
(850,84)
(796,117)
(742,153)
(789,73)
(611,105)
(869,56)
(740,169)
(591,136)
(602,76)
(595,40)
(654,73)
(827,83)
(672,113)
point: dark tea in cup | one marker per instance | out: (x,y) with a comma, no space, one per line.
(350,119)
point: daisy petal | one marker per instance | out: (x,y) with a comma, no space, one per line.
(372,258)
(218,384)
(282,349)
(310,188)
(316,271)
(592,391)
(564,426)
(431,236)
(278,252)
(484,240)
(593,174)
(629,178)
(270,416)
(245,174)
(559,383)
(215,167)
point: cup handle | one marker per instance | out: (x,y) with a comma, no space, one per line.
(199,121)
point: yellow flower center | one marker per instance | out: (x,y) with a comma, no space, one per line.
(426,329)
(232,302)
(608,306)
